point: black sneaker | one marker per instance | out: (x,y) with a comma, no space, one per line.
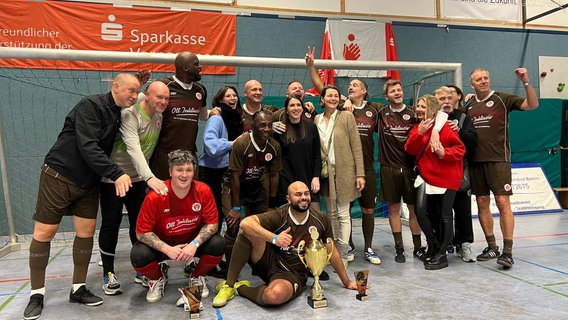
(34,308)
(84,296)
(506,260)
(400,258)
(189,268)
(420,254)
(488,254)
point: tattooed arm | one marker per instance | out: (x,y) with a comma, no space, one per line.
(151,240)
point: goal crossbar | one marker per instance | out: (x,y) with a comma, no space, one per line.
(218,60)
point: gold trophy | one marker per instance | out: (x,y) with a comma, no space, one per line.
(315,257)
(361,279)
(192,299)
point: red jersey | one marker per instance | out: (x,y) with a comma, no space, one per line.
(174,220)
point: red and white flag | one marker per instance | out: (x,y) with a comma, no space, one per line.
(357,40)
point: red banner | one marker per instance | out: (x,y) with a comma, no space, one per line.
(88,26)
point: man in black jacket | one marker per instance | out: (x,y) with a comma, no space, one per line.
(69,185)
(460,122)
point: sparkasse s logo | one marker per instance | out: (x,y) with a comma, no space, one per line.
(111,31)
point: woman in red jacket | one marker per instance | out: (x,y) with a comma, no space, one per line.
(440,166)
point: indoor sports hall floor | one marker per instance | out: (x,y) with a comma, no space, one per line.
(535,288)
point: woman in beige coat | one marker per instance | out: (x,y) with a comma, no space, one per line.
(341,147)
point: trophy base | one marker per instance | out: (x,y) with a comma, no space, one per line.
(194,315)
(362,297)
(316,304)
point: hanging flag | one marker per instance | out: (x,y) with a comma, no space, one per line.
(391,52)
(360,40)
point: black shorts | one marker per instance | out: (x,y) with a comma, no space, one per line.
(58,196)
(271,266)
(368,198)
(396,184)
(490,176)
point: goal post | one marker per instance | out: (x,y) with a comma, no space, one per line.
(36,101)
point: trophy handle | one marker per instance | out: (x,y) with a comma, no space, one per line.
(332,248)
(301,246)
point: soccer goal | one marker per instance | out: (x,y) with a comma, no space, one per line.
(36,101)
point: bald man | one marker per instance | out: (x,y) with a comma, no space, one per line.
(69,185)
(269,243)
(133,147)
(253,103)
(187,105)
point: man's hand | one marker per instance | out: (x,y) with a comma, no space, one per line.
(310,57)
(360,183)
(233,218)
(215,111)
(453,124)
(522,74)
(309,106)
(278,127)
(284,239)
(158,186)
(122,185)
(143,76)
(187,253)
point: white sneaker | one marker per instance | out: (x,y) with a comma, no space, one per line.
(466,253)
(203,281)
(111,287)
(155,290)
(350,255)
(372,257)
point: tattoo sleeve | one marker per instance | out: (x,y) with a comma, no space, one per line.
(206,232)
(151,239)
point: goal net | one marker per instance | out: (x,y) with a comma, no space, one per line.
(36,102)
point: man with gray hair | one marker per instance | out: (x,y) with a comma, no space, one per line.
(460,122)
(491,166)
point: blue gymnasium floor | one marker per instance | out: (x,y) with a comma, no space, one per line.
(536,287)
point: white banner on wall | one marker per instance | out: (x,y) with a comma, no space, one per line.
(531,192)
(553,72)
(498,10)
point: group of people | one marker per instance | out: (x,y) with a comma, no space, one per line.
(264,171)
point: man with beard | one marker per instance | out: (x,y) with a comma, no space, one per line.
(269,243)
(460,122)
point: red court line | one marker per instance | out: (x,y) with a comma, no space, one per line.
(28,279)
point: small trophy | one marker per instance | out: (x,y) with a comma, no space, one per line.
(192,299)
(361,279)
(315,257)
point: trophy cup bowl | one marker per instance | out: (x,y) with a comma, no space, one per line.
(361,280)
(315,257)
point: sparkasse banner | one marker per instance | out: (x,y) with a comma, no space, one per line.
(89,26)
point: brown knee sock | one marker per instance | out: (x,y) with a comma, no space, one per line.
(417,241)
(242,248)
(39,258)
(398,240)
(491,243)
(229,243)
(508,246)
(368,226)
(254,294)
(82,250)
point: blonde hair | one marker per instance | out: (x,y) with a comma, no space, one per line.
(431,102)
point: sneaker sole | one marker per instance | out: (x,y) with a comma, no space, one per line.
(112,292)
(505,264)
(374,262)
(92,304)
